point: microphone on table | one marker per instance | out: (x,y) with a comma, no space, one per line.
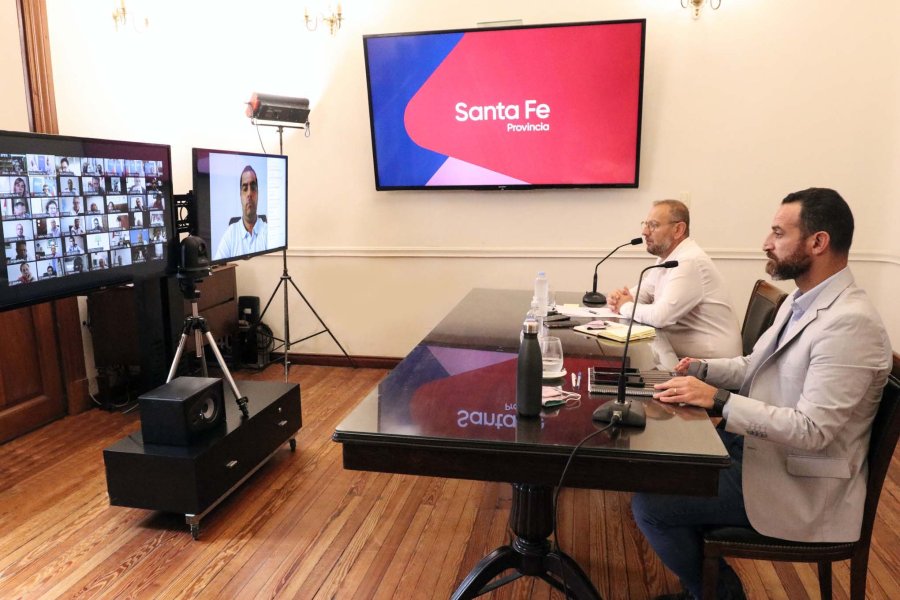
(625,411)
(595,298)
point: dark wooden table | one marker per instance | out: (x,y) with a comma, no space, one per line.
(449,410)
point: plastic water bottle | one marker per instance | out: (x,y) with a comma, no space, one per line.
(530,368)
(542,293)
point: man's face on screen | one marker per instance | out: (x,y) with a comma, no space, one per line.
(249,197)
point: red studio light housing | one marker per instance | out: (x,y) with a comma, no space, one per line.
(268,107)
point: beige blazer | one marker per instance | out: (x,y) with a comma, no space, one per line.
(807,415)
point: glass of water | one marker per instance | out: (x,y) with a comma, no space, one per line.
(552,354)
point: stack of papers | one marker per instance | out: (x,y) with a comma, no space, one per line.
(576,310)
(618,331)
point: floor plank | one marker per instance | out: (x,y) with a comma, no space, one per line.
(303,527)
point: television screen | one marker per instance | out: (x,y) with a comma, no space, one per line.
(241,203)
(64,230)
(514,107)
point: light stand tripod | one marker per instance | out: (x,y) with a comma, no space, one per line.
(286,279)
(197,324)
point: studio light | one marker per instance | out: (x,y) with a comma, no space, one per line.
(283,109)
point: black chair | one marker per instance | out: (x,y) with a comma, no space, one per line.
(746,543)
(236,219)
(764,303)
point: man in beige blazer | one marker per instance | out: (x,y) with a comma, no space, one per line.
(798,429)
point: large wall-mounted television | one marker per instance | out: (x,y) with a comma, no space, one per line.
(240,203)
(544,106)
(79,214)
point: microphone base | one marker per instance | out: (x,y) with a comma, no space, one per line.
(632,413)
(593,299)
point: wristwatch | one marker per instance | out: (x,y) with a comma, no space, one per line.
(719,400)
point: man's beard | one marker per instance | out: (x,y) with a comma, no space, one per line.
(659,248)
(791,267)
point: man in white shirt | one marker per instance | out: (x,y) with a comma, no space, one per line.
(250,233)
(689,302)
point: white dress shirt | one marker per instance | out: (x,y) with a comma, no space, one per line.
(237,241)
(690,303)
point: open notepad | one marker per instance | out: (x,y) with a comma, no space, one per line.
(618,331)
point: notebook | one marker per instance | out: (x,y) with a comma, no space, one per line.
(618,331)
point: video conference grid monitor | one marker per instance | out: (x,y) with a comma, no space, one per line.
(80,213)
(241,203)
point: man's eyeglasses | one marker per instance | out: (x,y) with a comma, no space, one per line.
(654,225)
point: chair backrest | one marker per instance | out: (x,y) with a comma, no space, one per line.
(236,219)
(885,432)
(764,303)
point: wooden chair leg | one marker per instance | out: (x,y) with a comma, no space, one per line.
(710,576)
(859,569)
(825,579)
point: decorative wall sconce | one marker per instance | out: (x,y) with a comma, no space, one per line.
(121,18)
(331,18)
(697,5)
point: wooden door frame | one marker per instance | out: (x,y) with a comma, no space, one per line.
(41,102)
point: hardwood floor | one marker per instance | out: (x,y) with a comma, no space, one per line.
(303,527)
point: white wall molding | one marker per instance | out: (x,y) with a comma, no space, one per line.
(519,253)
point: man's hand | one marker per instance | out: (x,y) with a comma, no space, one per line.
(616,298)
(685,390)
(682,367)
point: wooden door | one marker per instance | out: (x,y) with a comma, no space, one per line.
(31,381)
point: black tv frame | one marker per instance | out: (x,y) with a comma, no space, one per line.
(200,200)
(42,290)
(640,109)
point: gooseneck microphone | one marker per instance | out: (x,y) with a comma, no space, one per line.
(624,411)
(595,298)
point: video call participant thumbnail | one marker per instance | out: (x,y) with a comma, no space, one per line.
(48,269)
(17,230)
(248,234)
(74,264)
(49,227)
(19,251)
(13,187)
(74,245)
(120,258)
(93,185)
(68,186)
(20,209)
(20,273)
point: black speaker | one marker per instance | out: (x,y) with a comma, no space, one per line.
(181,411)
(251,303)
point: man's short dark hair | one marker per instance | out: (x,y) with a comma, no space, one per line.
(823,209)
(246,169)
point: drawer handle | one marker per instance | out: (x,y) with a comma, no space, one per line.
(231,464)
(282,423)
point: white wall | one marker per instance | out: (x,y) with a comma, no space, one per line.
(742,106)
(13,107)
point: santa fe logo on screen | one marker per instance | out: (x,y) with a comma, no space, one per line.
(543,106)
(507,112)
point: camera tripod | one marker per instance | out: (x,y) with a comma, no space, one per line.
(197,325)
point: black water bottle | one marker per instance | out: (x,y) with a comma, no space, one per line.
(530,371)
